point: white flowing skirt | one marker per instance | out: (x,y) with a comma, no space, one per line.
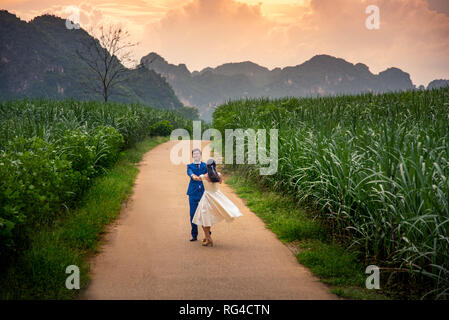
(214,207)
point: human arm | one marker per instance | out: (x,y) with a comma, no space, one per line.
(201,177)
(191,174)
(221,177)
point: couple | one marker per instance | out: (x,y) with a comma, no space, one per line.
(207,204)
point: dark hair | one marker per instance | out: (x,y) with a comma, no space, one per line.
(196,149)
(211,171)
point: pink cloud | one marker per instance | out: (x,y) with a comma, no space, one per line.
(200,33)
(207,33)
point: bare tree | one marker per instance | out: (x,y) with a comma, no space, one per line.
(107,58)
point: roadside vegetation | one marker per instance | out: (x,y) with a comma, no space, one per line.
(373,167)
(65,168)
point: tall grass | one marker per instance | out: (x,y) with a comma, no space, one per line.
(48,119)
(50,151)
(375,166)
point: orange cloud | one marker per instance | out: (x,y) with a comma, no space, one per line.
(207,33)
(200,33)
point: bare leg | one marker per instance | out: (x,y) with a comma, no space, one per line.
(207,232)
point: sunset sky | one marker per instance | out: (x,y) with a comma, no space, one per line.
(413,34)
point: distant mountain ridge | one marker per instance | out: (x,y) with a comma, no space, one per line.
(439,83)
(321,75)
(38,60)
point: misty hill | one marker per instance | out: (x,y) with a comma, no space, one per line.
(38,59)
(321,75)
(436,84)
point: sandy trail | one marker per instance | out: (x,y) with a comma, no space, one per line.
(146,253)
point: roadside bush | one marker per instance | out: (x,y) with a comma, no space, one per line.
(39,178)
(34,184)
(162,128)
(51,150)
(107,143)
(75,146)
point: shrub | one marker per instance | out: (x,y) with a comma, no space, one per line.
(107,142)
(75,146)
(162,128)
(34,184)
(50,150)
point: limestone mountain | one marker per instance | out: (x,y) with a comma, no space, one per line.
(38,60)
(321,75)
(436,84)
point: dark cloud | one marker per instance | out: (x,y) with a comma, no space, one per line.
(441,6)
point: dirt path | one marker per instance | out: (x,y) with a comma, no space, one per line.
(147,253)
